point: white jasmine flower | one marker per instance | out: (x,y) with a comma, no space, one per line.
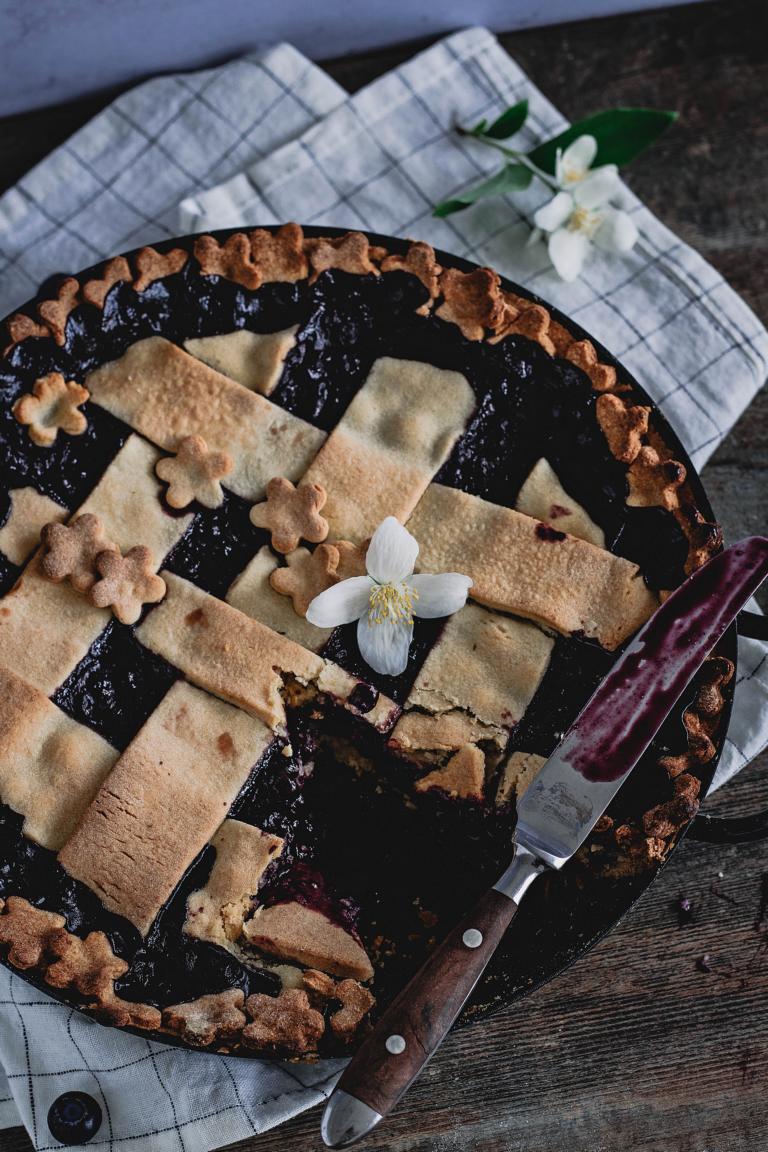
(385,601)
(580,213)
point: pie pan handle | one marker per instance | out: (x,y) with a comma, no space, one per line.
(736,829)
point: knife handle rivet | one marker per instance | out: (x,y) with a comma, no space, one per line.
(472,938)
(395,1045)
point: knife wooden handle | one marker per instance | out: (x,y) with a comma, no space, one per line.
(417,1021)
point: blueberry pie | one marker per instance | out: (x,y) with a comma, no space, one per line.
(251,767)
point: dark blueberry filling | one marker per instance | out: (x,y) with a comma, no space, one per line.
(351,321)
(116,686)
(655,541)
(364,697)
(9,574)
(342,649)
(169,966)
(396,873)
(217,546)
(575,670)
(307,885)
(33,872)
(68,470)
(546,532)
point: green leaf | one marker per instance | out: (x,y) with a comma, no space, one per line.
(510,178)
(509,122)
(621,134)
(478,129)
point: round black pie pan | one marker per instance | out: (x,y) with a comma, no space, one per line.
(565,914)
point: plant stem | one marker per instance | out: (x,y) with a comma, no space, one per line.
(512,154)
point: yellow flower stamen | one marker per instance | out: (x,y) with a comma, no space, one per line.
(392,603)
(579,220)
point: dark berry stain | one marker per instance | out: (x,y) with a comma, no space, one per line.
(551,535)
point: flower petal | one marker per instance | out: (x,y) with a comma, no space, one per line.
(567,250)
(550,216)
(598,187)
(391,553)
(577,158)
(385,646)
(439,595)
(341,603)
(617,231)
(559,173)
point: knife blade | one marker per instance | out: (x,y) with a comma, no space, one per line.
(555,815)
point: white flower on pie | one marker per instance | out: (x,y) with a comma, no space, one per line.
(385,601)
(580,213)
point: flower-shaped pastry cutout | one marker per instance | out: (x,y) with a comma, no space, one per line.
(307,575)
(385,601)
(351,558)
(194,474)
(89,964)
(291,514)
(152,265)
(356,1002)
(52,405)
(27,930)
(71,550)
(624,426)
(217,1017)
(286,1023)
(127,583)
(55,313)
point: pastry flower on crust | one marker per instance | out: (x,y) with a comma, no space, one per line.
(385,601)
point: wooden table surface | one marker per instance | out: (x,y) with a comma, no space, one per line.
(637,1048)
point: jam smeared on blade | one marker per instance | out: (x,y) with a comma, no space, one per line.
(607,741)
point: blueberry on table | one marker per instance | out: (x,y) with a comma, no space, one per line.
(74,1118)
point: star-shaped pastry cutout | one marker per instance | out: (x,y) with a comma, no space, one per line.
(194,474)
(71,550)
(307,575)
(51,406)
(127,583)
(291,514)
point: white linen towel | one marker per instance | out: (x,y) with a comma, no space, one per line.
(271,138)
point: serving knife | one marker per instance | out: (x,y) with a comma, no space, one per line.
(555,815)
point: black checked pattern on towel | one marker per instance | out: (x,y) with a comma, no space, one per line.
(312,1083)
(152,203)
